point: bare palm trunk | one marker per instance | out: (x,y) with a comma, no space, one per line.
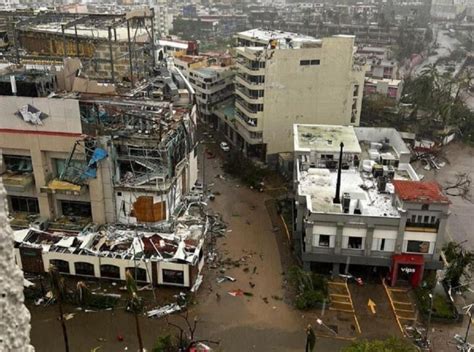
(139,333)
(63,326)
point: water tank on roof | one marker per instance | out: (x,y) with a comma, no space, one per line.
(346,202)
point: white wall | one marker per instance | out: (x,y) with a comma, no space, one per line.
(63,114)
(123,264)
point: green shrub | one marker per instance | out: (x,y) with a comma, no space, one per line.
(164,344)
(309,299)
(442,307)
(311,288)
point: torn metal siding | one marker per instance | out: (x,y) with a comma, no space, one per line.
(176,244)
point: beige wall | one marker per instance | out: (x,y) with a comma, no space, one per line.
(54,139)
(319,94)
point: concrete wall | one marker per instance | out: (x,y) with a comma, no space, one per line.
(378,134)
(371,229)
(318,94)
(123,264)
(43,143)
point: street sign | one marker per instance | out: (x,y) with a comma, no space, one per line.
(371,304)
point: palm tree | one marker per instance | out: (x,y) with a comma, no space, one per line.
(135,304)
(58,289)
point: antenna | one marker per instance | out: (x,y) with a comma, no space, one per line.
(337,198)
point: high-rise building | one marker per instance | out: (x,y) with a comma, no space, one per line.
(162,17)
(285,78)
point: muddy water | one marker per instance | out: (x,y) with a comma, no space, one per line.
(261,321)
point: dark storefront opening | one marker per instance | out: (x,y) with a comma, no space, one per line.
(84,269)
(110,271)
(138,274)
(173,276)
(61,265)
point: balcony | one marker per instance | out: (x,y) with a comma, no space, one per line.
(247,82)
(250,96)
(63,187)
(250,69)
(246,110)
(248,123)
(422,227)
(19,182)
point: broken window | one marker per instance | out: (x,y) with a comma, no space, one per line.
(355,243)
(61,265)
(173,276)
(72,208)
(356,90)
(305,62)
(110,271)
(138,274)
(315,62)
(83,268)
(24,205)
(18,163)
(324,240)
(75,168)
(418,246)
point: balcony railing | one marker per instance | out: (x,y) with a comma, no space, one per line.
(423,227)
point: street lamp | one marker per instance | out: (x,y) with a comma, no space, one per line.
(429,317)
(320,322)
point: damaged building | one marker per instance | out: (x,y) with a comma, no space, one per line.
(116,47)
(94,154)
(361,206)
(157,257)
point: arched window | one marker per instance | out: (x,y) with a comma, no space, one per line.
(110,271)
(61,265)
(138,274)
(83,268)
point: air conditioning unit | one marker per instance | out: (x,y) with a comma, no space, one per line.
(40,224)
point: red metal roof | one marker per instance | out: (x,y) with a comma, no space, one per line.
(422,192)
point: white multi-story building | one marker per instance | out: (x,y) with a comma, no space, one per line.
(285,78)
(359,203)
(212,77)
(162,17)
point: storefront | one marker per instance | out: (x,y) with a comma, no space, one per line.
(407,267)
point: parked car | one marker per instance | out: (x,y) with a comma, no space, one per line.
(224,146)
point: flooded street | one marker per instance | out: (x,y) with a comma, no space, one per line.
(260,320)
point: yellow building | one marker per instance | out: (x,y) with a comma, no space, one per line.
(286,78)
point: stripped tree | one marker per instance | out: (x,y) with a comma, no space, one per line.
(58,290)
(135,305)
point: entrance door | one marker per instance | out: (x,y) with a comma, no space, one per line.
(32,260)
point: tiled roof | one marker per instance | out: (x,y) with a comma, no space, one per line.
(417,191)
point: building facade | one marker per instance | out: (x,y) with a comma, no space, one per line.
(97,159)
(373,212)
(285,78)
(390,88)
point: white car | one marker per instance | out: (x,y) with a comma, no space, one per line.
(224,146)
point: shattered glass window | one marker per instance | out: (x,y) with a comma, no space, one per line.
(17,163)
(79,209)
(74,171)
